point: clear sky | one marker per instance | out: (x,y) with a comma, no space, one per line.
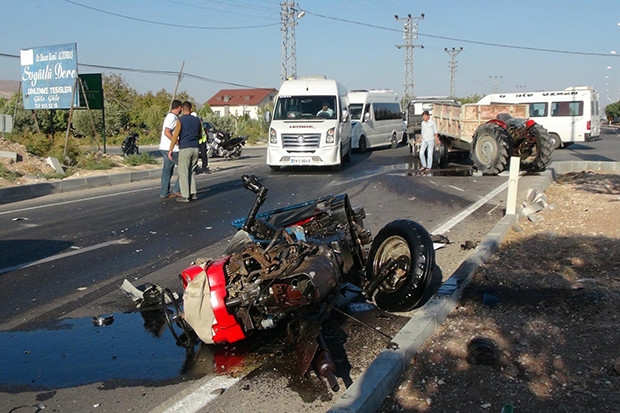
(507,44)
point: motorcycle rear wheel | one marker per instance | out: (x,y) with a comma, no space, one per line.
(407,247)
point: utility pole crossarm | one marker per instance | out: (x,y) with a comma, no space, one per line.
(289,13)
(453,52)
(410,33)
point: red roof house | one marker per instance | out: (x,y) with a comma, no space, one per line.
(241,101)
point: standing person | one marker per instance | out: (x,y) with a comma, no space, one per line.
(188,152)
(169,131)
(202,147)
(427,141)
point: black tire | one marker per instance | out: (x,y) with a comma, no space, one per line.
(540,157)
(394,141)
(274,168)
(442,153)
(347,156)
(556,142)
(236,153)
(410,244)
(490,149)
(362,145)
(174,317)
(404,139)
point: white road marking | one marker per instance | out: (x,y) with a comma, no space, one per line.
(468,211)
(205,393)
(65,255)
(133,191)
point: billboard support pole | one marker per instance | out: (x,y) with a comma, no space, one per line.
(90,113)
(64,153)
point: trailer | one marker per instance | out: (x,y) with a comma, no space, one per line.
(491,134)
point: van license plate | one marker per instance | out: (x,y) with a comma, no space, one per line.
(301,161)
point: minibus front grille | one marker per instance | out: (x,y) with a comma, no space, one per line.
(301,141)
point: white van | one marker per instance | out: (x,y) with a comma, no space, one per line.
(569,115)
(376,118)
(310,124)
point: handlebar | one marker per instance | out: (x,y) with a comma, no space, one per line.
(251,183)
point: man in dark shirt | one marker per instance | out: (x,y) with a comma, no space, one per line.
(191,131)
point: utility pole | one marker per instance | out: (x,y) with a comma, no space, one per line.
(410,33)
(289,13)
(453,52)
(495,83)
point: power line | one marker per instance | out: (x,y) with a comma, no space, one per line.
(507,46)
(153,72)
(170,24)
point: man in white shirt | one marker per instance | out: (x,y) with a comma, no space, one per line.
(326,111)
(169,130)
(427,141)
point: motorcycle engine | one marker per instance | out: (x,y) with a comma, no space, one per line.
(267,284)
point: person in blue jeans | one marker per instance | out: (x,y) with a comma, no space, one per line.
(428,139)
(170,131)
(191,132)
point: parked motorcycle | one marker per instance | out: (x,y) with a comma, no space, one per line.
(130,145)
(223,146)
(289,265)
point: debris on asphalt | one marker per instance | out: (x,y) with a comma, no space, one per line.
(149,297)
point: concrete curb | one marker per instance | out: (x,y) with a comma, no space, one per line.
(24,192)
(367,393)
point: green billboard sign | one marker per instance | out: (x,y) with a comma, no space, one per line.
(93,89)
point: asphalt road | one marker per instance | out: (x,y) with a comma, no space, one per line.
(63,257)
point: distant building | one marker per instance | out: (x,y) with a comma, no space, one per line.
(237,102)
(8,88)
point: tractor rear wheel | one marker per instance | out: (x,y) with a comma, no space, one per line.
(540,154)
(490,149)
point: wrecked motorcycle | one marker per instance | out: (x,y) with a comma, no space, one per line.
(225,146)
(289,265)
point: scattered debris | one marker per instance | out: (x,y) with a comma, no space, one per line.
(469,245)
(490,300)
(482,351)
(439,241)
(535,201)
(103,320)
(55,164)
(150,297)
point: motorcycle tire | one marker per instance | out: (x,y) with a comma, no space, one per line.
(410,246)
(235,153)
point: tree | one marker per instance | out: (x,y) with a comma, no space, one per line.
(469,99)
(613,111)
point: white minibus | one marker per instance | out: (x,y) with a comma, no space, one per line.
(376,118)
(310,124)
(569,115)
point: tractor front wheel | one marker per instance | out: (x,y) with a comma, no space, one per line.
(490,149)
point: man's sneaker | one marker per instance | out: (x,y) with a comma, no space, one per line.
(193,197)
(181,199)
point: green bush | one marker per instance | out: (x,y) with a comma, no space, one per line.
(95,161)
(8,175)
(37,144)
(73,151)
(141,159)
